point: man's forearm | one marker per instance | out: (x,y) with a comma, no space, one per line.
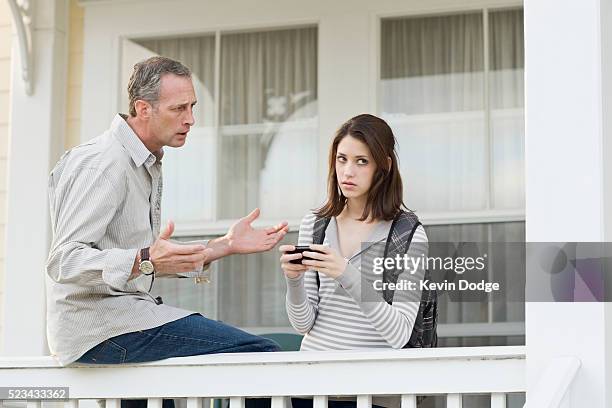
(220,247)
(78,263)
(135,268)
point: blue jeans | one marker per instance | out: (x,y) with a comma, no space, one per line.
(190,336)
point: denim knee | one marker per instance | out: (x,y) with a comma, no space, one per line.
(268,345)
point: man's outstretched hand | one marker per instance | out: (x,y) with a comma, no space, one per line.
(242,238)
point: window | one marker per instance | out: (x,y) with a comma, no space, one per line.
(451,87)
(268,112)
(257,106)
(459,121)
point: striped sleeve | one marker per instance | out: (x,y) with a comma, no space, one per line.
(83,206)
(302,300)
(393,322)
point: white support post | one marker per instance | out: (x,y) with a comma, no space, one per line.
(605,24)
(195,403)
(36,141)
(154,403)
(364,401)
(113,403)
(237,402)
(454,401)
(280,402)
(568,154)
(320,401)
(409,401)
(73,403)
(498,400)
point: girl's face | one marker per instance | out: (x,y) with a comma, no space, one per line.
(355,167)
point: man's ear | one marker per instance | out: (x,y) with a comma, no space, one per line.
(143,109)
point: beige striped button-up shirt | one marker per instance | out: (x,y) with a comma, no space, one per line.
(105,205)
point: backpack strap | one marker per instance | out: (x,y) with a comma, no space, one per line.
(318,236)
(400,236)
(398,242)
(318,231)
(424,331)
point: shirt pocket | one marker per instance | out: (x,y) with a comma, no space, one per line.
(109,352)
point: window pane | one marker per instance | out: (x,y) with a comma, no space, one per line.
(432,96)
(432,64)
(268,114)
(245,290)
(189,171)
(186,294)
(506,268)
(252,289)
(506,56)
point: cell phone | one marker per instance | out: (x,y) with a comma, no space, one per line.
(299,249)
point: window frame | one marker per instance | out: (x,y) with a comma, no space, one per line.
(490,213)
(218,227)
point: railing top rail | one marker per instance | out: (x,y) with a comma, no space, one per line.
(375,372)
(443,353)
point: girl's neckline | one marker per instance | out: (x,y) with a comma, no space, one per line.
(373,236)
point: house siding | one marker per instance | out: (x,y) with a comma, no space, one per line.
(5,98)
(75,76)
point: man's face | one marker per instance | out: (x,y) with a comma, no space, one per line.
(172,118)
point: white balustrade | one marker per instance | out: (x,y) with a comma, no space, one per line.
(364,374)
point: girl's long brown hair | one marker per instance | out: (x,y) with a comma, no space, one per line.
(385,197)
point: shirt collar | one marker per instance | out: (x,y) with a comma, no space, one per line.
(378,234)
(132,143)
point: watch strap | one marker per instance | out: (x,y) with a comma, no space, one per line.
(144,254)
(146,266)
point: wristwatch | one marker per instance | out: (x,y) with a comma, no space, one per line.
(146,266)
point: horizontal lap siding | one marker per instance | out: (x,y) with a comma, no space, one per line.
(75,76)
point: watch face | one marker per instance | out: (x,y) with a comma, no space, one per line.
(146,267)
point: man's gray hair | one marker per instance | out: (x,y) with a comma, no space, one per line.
(145,82)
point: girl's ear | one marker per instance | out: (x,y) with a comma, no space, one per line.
(389,163)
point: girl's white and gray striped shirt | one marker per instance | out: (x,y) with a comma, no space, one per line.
(348,312)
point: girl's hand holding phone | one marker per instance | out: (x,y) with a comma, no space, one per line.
(291,270)
(325,260)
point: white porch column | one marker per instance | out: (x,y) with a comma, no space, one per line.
(569,180)
(36,140)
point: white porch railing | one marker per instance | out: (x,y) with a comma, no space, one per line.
(554,387)
(407,373)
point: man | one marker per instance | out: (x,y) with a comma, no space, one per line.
(107,248)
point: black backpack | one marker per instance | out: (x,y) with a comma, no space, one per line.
(424,333)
